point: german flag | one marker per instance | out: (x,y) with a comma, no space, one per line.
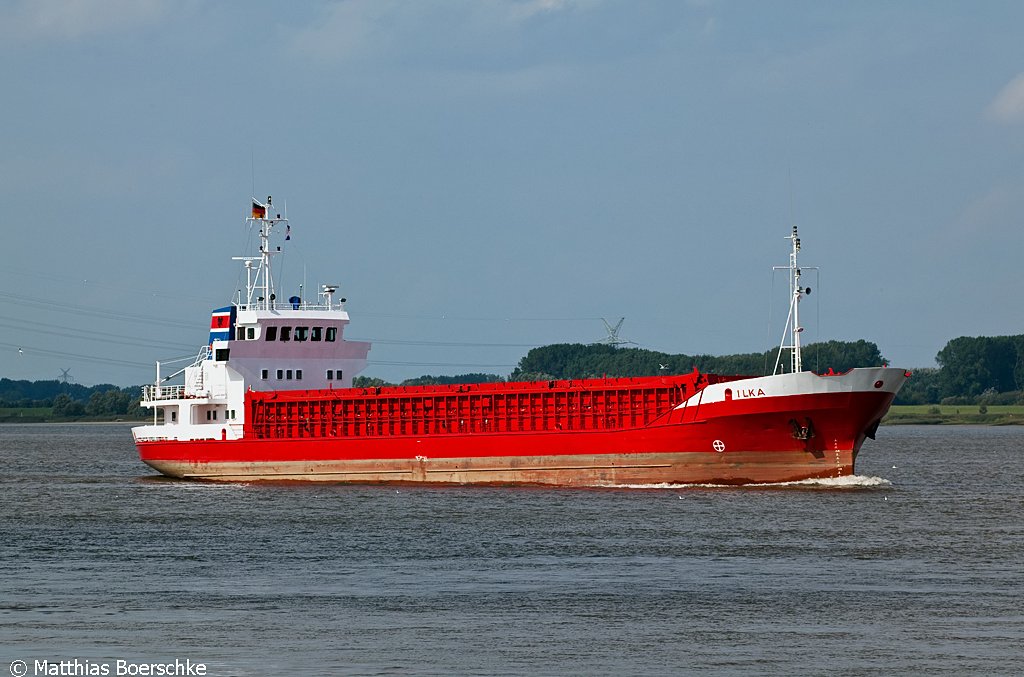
(258,210)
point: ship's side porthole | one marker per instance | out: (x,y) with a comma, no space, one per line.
(728,394)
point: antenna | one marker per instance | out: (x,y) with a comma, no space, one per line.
(789,177)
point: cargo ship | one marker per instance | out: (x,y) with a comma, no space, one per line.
(269,397)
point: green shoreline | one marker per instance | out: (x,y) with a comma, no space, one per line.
(954,414)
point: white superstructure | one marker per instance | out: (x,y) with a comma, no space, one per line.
(257,343)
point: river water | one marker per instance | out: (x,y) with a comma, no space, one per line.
(915,566)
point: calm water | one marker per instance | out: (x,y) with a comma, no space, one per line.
(918,567)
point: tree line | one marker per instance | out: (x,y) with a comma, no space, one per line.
(71,399)
(576,360)
(972,370)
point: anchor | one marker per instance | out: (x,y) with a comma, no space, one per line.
(802,432)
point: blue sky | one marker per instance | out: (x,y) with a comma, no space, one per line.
(482,176)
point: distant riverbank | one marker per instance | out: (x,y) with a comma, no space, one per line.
(955,414)
(45,415)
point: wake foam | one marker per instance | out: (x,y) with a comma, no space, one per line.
(856,481)
(848,482)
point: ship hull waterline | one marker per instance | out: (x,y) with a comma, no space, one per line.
(749,448)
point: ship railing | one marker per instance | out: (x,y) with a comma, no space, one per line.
(194,385)
(285,305)
(156,393)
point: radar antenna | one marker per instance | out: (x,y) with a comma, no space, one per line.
(327,291)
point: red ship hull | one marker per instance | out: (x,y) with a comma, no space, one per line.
(763,438)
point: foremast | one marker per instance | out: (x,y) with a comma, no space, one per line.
(791,334)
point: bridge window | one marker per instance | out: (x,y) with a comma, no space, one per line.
(264,374)
(280,374)
(286,333)
(332,333)
(316,334)
(271,333)
(301,333)
(298,374)
(250,333)
(288,375)
(330,374)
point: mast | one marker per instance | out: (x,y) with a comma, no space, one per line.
(791,334)
(259,283)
